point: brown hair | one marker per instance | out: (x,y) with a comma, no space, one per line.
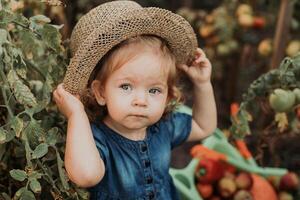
(116,57)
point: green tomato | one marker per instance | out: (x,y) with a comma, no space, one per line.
(296,91)
(282,100)
(223,49)
(36,85)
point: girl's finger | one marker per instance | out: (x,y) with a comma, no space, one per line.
(60,87)
(183,67)
(55,96)
(200,52)
(201,60)
(61,91)
(55,93)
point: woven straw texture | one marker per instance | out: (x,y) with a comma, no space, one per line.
(111,23)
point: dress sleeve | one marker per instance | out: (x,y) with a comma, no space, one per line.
(100,141)
(178,126)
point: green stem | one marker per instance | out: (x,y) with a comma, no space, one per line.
(51,181)
(11,115)
(28,152)
(3,90)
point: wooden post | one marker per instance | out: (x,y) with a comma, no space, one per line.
(282,32)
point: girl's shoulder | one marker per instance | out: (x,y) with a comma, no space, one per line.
(174,118)
(177,126)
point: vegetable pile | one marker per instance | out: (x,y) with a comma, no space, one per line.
(216,180)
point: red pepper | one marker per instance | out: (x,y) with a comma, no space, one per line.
(209,170)
(205,189)
(228,168)
(259,22)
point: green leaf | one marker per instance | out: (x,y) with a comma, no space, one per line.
(17,125)
(38,108)
(1,51)
(36,85)
(40,19)
(7,59)
(3,37)
(17,174)
(6,136)
(47,87)
(52,136)
(58,27)
(33,132)
(9,136)
(62,174)
(51,37)
(3,134)
(296,60)
(5,196)
(21,91)
(240,124)
(22,71)
(35,175)
(21,19)
(28,42)
(35,186)
(19,192)
(48,83)
(6,16)
(40,151)
(27,195)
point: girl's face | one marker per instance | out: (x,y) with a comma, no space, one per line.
(136,93)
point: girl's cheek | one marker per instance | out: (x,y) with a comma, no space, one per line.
(123,99)
(159,100)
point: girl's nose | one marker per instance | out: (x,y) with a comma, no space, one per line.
(140,99)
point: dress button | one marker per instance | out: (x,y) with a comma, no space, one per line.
(143,148)
(149,180)
(151,195)
(146,163)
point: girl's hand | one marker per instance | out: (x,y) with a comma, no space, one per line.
(200,70)
(67,103)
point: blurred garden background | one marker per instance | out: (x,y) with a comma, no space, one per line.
(254,49)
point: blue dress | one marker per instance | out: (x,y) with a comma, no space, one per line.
(139,170)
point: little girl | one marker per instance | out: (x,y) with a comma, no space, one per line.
(119,96)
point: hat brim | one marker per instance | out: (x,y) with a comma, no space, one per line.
(178,33)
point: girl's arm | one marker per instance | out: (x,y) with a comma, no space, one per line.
(82,159)
(204,112)
(204,109)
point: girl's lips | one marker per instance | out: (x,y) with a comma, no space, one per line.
(139,116)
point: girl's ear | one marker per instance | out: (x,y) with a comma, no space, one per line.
(97,89)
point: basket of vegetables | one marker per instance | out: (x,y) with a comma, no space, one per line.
(220,170)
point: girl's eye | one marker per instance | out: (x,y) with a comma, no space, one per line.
(125,87)
(154,91)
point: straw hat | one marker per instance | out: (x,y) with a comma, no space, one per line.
(110,23)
